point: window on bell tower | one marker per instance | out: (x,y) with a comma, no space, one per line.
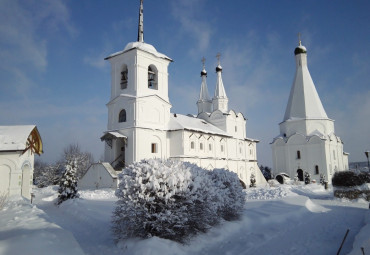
(122,116)
(124,77)
(152,77)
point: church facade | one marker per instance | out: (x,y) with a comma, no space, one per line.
(307,141)
(141,126)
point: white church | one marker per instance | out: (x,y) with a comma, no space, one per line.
(141,126)
(307,142)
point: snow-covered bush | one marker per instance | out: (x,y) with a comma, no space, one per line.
(3,200)
(350,179)
(68,183)
(253,181)
(307,178)
(173,200)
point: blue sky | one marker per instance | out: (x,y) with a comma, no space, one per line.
(52,72)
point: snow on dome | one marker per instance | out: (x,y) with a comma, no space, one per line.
(300,49)
(141,46)
(218,68)
(203,72)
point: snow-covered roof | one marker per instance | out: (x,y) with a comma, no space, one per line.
(141,46)
(14,138)
(183,122)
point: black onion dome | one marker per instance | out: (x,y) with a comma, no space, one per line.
(300,50)
(218,68)
(203,72)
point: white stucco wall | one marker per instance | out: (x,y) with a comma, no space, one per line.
(98,176)
(16,173)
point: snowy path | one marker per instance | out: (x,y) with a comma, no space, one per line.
(87,219)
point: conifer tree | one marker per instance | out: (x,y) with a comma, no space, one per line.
(68,183)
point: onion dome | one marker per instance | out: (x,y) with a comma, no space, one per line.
(300,49)
(203,72)
(218,68)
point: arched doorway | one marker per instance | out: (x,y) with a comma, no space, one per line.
(300,175)
(280,179)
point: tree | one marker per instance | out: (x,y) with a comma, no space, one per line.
(68,183)
(50,174)
(47,174)
(307,178)
(83,159)
(174,200)
(267,172)
(253,181)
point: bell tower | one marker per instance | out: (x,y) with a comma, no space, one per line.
(139,97)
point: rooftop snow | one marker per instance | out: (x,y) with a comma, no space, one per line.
(182,122)
(141,46)
(14,138)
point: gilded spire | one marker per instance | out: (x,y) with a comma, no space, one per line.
(140,32)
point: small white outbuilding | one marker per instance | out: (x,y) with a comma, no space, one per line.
(18,144)
(99,176)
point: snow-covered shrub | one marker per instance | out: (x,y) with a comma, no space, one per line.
(322,179)
(349,179)
(253,181)
(3,200)
(68,183)
(307,178)
(230,193)
(173,200)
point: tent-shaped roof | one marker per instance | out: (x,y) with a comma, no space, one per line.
(304,101)
(20,138)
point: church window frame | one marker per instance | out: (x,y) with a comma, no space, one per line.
(298,154)
(124,77)
(201,146)
(152,77)
(334,155)
(222,148)
(210,147)
(122,116)
(192,145)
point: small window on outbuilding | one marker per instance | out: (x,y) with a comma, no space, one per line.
(124,77)
(316,169)
(122,116)
(154,148)
(298,154)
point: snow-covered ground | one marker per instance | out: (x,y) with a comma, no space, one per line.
(287,219)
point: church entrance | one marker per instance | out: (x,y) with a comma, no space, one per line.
(300,175)
(119,161)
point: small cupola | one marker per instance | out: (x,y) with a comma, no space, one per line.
(300,49)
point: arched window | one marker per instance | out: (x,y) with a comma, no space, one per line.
(210,147)
(192,145)
(122,116)
(298,154)
(201,146)
(152,77)
(316,169)
(124,77)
